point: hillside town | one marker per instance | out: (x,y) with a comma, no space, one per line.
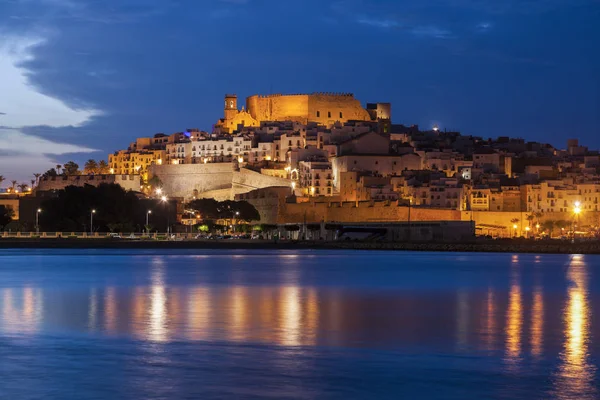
(323,158)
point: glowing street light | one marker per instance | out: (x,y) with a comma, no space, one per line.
(92,221)
(163,199)
(576,211)
(37,220)
(158,191)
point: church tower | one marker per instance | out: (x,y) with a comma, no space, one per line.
(231,109)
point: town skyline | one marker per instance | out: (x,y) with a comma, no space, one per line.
(77,77)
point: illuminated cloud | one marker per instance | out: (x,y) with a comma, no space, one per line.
(23,105)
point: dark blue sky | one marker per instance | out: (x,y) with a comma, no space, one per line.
(526,68)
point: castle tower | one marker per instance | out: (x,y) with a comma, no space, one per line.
(230,106)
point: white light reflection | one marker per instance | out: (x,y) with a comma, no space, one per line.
(291,315)
(462,322)
(93,310)
(576,376)
(157,324)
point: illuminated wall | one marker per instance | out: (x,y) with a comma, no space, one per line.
(325,108)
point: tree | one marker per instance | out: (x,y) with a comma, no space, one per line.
(102,167)
(32,183)
(6,215)
(2,179)
(50,173)
(530,218)
(70,209)
(23,187)
(71,168)
(13,185)
(37,178)
(562,224)
(233,210)
(548,225)
(90,167)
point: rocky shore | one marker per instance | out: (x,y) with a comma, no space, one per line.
(489,246)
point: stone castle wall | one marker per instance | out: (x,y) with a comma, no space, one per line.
(375,212)
(324,108)
(247,180)
(127,182)
(183,179)
(216,180)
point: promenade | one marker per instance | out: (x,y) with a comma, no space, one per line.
(479,245)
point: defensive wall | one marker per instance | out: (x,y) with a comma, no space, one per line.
(274,209)
(324,108)
(127,182)
(187,180)
(215,180)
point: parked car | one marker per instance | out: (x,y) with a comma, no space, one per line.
(114,236)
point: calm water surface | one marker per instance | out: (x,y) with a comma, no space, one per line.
(298,325)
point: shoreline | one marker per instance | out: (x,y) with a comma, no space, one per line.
(503,246)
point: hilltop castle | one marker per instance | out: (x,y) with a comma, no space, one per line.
(323,108)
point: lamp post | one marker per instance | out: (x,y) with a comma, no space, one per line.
(37,220)
(237,213)
(92,221)
(147,222)
(576,211)
(164,200)
(527,229)
(515,228)
(409,205)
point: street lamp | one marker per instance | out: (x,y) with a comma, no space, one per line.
(527,229)
(515,228)
(147,215)
(158,191)
(164,199)
(92,221)
(576,211)
(37,220)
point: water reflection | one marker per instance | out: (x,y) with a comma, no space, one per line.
(157,329)
(22,310)
(576,375)
(514,318)
(537,322)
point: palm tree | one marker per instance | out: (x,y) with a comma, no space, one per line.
(37,178)
(13,185)
(515,222)
(562,224)
(23,187)
(2,179)
(548,225)
(530,218)
(90,167)
(102,167)
(32,183)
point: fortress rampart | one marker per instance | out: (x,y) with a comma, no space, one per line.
(322,107)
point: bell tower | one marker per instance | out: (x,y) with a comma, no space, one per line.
(230,106)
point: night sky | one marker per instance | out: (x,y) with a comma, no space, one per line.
(79,79)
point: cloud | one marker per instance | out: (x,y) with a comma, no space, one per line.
(431,31)
(23,105)
(483,27)
(379,23)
